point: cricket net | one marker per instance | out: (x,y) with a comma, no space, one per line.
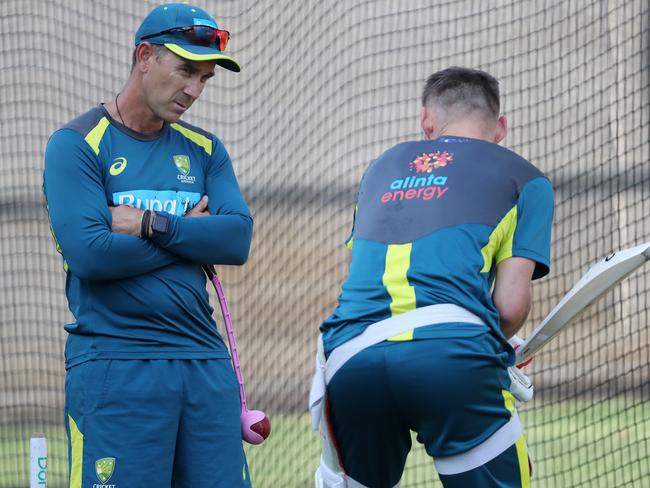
(325,88)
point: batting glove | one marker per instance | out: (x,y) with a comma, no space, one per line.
(516,342)
(520,385)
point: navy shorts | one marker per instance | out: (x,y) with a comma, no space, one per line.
(164,423)
(453,392)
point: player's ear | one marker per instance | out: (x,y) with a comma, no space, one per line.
(502,129)
(144,54)
(426,122)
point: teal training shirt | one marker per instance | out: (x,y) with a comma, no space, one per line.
(134,298)
(433,219)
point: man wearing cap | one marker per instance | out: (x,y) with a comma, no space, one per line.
(138,200)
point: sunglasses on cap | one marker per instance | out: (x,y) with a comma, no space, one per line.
(203,35)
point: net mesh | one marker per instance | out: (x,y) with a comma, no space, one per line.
(325,88)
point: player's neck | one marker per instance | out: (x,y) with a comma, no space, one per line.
(465,129)
(130,109)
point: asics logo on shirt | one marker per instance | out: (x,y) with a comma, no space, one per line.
(119,165)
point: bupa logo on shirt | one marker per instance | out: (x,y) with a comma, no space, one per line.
(182,163)
(170,201)
(426,184)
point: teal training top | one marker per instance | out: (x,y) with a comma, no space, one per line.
(433,219)
(134,298)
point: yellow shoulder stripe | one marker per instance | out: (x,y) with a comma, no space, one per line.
(195,137)
(94,137)
(499,246)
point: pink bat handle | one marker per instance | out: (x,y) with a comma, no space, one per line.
(255,425)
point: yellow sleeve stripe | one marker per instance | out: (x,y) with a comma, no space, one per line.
(499,246)
(402,294)
(94,137)
(58,249)
(77,451)
(56,242)
(195,137)
(349,243)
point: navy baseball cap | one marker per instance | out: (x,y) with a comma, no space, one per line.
(187,31)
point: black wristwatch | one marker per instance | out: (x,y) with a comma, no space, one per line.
(160,223)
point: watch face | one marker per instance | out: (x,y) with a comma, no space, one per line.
(160,223)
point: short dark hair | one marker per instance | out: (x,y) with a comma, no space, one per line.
(467,89)
(158,49)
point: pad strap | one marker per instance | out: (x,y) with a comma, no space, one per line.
(374,334)
(490,448)
(380,331)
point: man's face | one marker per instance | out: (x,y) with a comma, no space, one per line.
(172,84)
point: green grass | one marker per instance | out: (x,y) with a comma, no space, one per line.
(572,444)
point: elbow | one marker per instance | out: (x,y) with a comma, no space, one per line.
(241,251)
(86,269)
(88,258)
(236,253)
(512,317)
(90,264)
(239,258)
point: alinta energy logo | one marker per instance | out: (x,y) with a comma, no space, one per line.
(425,187)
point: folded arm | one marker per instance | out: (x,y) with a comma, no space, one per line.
(81,220)
(223,236)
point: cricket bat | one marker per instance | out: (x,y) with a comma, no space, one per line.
(600,278)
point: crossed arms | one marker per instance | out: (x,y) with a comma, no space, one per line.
(99,242)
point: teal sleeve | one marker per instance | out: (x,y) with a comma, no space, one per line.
(81,220)
(223,237)
(532,237)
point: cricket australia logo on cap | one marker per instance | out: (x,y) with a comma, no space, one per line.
(182,162)
(104,468)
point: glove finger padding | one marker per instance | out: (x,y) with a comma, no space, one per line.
(520,385)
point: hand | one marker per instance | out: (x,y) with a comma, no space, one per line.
(126,220)
(200,209)
(516,342)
